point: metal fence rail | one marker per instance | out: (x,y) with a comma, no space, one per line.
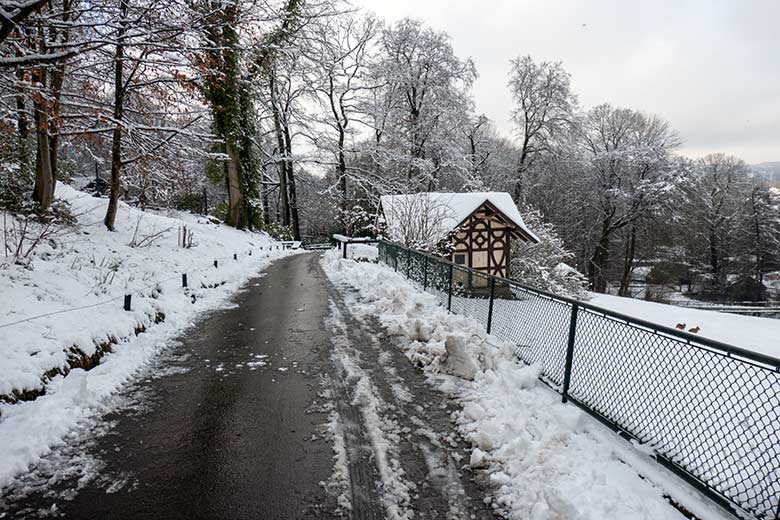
(710,411)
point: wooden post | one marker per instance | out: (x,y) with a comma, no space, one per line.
(184,279)
(128,299)
(216,264)
(235,256)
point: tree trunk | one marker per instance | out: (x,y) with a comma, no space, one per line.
(344,188)
(282,163)
(598,262)
(266,202)
(628,263)
(43,191)
(715,262)
(22,126)
(233,180)
(518,191)
(58,77)
(291,185)
(57,80)
(116,138)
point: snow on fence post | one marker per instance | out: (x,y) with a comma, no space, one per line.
(184,279)
(490,304)
(128,299)
(570,352)
(449,291)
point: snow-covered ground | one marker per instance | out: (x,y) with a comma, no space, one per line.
(548,460)
(90,269)
(751,333)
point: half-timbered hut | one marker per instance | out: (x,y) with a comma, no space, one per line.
(470,229)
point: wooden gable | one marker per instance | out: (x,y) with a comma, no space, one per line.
(482,241)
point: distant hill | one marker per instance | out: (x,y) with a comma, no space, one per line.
(768,171)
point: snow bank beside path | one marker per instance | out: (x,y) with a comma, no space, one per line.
(760,335)
(547,460)
(87,266)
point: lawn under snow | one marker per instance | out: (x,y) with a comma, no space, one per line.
(88,266)
(760,335)
(547,460)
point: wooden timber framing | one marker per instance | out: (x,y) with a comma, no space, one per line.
(484,240)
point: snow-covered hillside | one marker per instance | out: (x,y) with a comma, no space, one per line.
(76,282)
(760,335)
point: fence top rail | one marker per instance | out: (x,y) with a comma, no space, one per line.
(692,339)
(355,240)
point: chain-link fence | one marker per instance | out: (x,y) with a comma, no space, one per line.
(710,411)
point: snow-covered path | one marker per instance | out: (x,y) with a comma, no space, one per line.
(284,405)
(395,418)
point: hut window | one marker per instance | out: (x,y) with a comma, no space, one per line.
(460,259)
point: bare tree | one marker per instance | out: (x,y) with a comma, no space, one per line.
(627,169)
(544,105)
(339,53)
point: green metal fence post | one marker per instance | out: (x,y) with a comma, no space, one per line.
(449,291)
(490,305)
(570,351)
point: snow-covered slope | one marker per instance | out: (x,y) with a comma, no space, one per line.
(760,335)
(88,266)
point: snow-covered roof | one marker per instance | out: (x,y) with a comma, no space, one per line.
(445,211)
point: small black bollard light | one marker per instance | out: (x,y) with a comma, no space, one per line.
(215,263)
(184,279)
(128,298)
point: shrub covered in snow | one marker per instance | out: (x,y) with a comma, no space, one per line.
(545,265)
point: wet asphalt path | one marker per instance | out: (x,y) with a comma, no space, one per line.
(226,440)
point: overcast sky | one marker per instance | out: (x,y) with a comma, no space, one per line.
(712,68)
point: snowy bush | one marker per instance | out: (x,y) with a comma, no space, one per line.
(356,221)
(545,265)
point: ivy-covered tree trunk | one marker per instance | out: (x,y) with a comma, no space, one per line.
(221,61)
(233,185)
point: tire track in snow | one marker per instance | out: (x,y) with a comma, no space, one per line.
(360,406)
(412,416)
(350,443)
